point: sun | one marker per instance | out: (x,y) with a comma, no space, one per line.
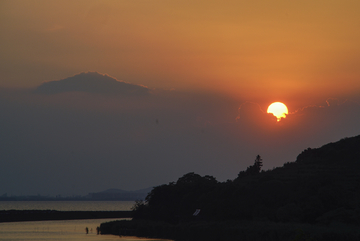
(278,109)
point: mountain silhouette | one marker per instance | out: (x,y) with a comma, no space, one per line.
(92,82)
(322,185)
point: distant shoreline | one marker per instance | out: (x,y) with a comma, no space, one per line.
(47,199)
(48,215)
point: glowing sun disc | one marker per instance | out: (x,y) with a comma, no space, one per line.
(278,109)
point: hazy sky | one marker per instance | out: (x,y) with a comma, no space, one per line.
(209,68)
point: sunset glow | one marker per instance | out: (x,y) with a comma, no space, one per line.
(278,109)
(98,94)
(137,42)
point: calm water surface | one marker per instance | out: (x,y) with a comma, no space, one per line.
(61,230)
(70,230)
(67,205)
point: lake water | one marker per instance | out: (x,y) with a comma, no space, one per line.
(69,230)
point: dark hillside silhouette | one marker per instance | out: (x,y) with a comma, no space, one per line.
(321,187)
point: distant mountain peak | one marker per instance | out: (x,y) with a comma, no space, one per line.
(119,194)
(92,82)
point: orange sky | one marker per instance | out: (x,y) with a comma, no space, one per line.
(275,50)
(221,63)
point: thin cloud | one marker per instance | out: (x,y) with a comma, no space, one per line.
(252,113)
(332,104)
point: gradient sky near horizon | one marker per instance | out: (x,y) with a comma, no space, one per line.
(270,48)
(213,68)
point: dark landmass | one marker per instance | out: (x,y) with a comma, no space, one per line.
(118,194)
(317,197)
(231,230)
(42,215)
(107,195)
(5,197)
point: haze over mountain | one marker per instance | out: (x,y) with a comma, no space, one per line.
(130,94)
(83,139)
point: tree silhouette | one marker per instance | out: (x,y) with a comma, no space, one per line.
(258,163)
(253,169)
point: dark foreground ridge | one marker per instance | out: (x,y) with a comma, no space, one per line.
(231,230)
(42,215)
(317,197)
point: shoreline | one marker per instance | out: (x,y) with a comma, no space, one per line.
(48,215)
